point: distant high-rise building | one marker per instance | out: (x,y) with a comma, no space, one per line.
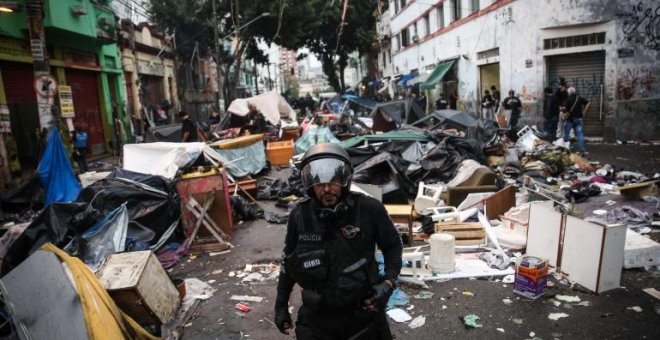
(288,62)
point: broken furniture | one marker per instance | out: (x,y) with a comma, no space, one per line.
(587,253)
(499,203)
(428,196)
(401,215)
(140,286)
(205,203)
(638,190)
(481,180)
(640,251)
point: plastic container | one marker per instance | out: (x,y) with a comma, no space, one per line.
(279,153)
(443,251)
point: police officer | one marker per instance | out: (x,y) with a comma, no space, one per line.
(329,252)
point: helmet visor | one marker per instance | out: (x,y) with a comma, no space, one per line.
(325,170)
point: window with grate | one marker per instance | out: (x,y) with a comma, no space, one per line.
(574,41)
(488,54)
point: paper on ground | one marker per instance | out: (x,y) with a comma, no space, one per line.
(418,322)
(247,298)
(399,315)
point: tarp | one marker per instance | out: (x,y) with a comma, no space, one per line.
(55,172)
(437,74)
(270,104)
(403,81)
(314,136)
(400,135)
(400,111)
(165,159)
(250,159)
(365,102)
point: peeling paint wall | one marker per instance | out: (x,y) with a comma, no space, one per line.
(631,82)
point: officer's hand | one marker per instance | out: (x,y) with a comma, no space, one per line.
(283,319)
(378,300)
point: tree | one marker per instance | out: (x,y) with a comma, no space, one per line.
(332,40)
(193,24)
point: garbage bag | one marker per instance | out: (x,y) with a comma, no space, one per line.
(388,171)
(154,181)
(244,210)
(107,236)
(272,217)
(55,171)
(55,224)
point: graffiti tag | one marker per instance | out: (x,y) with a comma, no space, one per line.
(641,26)
(631,79)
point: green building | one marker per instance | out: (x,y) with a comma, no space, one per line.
(81,46)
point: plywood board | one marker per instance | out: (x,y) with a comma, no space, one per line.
(583,242)
(544,233)
(640,251)
(123,270)
(612,258)
(500,202)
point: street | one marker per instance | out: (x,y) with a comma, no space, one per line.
(605,316)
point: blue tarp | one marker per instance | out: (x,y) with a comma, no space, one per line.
(403,81)
(314,136)
(55,172)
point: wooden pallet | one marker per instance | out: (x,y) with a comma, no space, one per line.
(465,233)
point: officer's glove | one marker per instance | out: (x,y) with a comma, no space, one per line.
(282,317)
(381,294)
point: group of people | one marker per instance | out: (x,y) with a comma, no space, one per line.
(253,123)
(563,111)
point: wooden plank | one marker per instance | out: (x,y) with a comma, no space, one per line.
(499,203)
(207,221)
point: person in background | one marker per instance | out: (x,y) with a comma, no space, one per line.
(442,103)
(487,105)
(496,98)
(550,114)
(576,107)
(79,139)
(514,104)
(560,97)
(188,129)
(214,120)
(453,100)
(329,252)
(256,120)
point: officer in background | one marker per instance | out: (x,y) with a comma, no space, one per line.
(329,252)
(79,137)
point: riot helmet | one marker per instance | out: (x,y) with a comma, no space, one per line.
(326,163)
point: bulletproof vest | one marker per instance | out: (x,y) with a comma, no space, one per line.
(325,263)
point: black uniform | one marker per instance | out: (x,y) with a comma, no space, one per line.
(331,256)
(189,126)
(515,105)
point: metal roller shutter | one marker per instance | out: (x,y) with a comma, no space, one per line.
(84,86)
(18,79)
(585,72)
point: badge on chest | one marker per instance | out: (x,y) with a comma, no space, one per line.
(350,231)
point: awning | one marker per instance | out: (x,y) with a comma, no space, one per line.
(419,79)
(437,74)
(404,80)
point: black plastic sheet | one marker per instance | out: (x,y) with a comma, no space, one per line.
(59,223)
(244,210)
(29,195)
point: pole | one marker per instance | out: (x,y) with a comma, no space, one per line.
(41,64)
(256,80)
(270,80)
(216,39)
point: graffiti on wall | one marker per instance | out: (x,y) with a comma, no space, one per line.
(635,83)
(526,94)
(641,25)
(588,87)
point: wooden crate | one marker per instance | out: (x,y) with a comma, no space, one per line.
(401,214)
(465,233)
(279,153)
(140,286)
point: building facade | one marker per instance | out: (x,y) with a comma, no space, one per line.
(606,49)
(149,72)
(81,48)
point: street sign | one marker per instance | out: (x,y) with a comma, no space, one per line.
(45,86)
(66,101)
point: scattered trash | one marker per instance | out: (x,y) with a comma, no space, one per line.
(605,315)
(398,298)
(507,301)
(399,315)
(417,322)
(508,279)
(584,303)
(246,298)
(444,307)
(557,316)
(242,307)
(532,334)
(471,321)
(252,277)
(501,330)
(424,294)
(637,309)
(220,252)
(467,293)
(518,321)
(653,292)
(568,298)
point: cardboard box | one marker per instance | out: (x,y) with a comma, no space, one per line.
(139,285)
(279,153)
